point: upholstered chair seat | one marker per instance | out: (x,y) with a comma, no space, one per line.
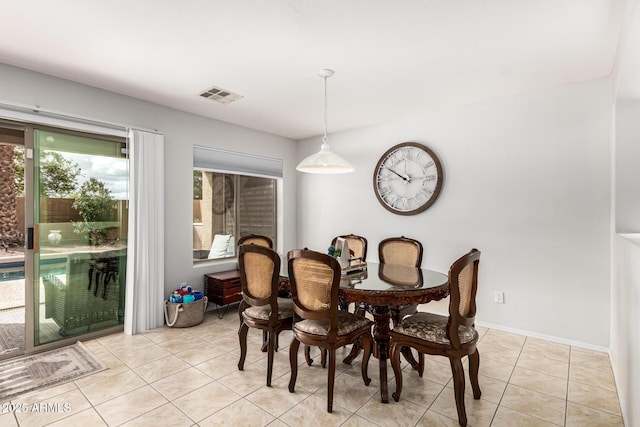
(347,323)
(263,312)
(433,328)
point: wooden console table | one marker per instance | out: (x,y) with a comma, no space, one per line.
(223,288)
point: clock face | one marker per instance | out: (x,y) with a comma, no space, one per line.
(222,193)
(407,178)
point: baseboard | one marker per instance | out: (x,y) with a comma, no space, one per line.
(546,337)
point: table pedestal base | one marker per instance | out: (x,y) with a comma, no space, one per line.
(381,316)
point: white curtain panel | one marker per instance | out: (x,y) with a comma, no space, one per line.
(145,256)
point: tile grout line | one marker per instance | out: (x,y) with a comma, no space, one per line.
(566,400)
(508,380)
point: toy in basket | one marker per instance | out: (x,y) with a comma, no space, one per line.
(185,308)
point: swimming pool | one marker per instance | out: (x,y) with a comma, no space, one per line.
(15,270)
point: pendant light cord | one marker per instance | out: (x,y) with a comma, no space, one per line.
(324,139)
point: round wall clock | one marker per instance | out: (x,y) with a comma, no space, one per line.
(222,193)
(408,178)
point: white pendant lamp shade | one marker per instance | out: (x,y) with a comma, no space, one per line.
(325,161)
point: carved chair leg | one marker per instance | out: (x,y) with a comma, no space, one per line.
(355,351)
(331,377)
(420,364)
(406,352)
(458,389)
(323,356)
(474,367)
(293,361)
(395,364)
(270,351)
(367,344)
(307,355)
(242,336)
(265,342)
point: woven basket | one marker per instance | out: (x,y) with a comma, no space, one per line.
(180,315)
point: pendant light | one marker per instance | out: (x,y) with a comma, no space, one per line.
(325,161)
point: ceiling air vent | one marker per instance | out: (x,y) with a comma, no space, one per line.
(221,95)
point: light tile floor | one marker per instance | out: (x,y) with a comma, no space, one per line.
(189,377)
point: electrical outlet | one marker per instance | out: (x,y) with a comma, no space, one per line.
(498,297)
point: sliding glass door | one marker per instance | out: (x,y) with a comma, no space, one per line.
(78,240)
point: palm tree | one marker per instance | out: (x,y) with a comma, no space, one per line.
(9,233)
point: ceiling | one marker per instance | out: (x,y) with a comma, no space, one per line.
(392,58)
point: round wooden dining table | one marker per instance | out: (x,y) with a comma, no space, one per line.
(381,286)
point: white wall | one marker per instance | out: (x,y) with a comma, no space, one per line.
(181,131)
(526,182)
(625,334)
(627,172)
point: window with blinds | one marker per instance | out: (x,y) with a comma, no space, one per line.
(228,206)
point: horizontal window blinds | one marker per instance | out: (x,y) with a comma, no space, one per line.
(257,207)
(216,160)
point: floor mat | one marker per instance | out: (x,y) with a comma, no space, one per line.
(43,370)
(11,337)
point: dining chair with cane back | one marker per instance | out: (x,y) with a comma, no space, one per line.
(259,240)
(405,252)
(358,246)
(452,336)
(260,307)
(315,284)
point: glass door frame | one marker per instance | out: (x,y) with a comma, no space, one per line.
(31,305)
